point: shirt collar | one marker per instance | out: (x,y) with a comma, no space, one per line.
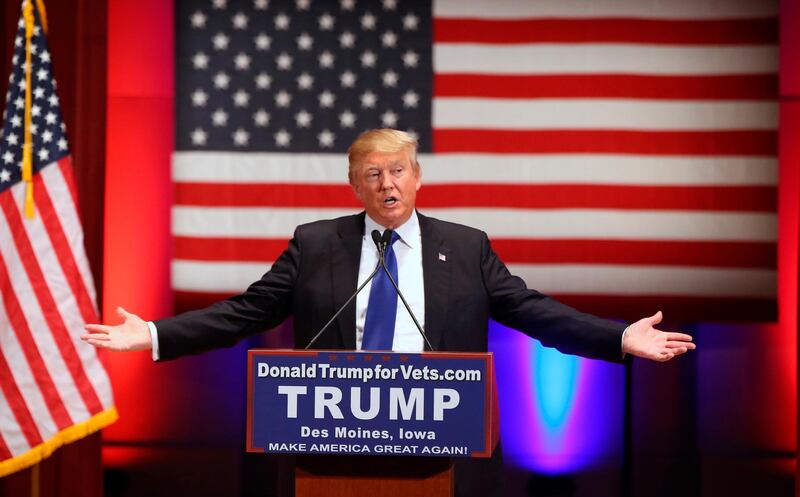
(409,231)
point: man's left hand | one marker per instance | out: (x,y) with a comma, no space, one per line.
(643,340)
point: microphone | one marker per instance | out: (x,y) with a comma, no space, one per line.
(386,240)
(376,237)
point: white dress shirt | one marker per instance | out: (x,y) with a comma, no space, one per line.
(408,250)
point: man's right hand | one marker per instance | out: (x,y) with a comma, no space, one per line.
(133,334)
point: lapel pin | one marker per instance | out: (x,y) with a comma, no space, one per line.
(442,257)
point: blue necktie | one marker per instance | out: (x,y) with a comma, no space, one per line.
(382,306)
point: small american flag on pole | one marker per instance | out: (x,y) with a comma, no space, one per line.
(621,154)
(53,388)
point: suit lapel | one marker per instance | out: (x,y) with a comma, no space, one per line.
(346,258)
(436,277)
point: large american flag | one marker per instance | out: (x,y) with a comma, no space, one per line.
(621,154)
(53,388)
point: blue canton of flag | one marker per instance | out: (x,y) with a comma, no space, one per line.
(298,76)
(47,128)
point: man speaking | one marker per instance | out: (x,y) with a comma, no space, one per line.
(452,280)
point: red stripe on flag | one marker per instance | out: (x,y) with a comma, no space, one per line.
(748,87)
(719,143)
(17,404)
(530,196)
(635,252)
(228,249)
(63,251)
(607,30)
(5,453)
(625,252)
(675,308)
(49,308)
(24,336)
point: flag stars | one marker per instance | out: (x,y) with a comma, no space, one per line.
(47,136)
(326,99)
(45,56)
(8,157)
(410,22)
(348,79)
(368,100)
(410,59)
(326,138)
(390,78)
(241,98)
(19,103)
(326,22)
(261,118)
(200,60)
(284,61)
(368,22)
(347,119)
(221,80)
(43,154)
(240,137)
(262,42)
(50,118)
(198,19)
(305,42)
(242,61)
(53,100)
(389,39)
(263,81)
(303,119)
(261,4)
(239,20)
(282,22)
(220,41)
(219,118)
(38,93)
(368,58)
(326,60)
(16,122)
(36,111)
(283,98)
(410,99)
(199,98)
(347,4)
(305,81)
(389,119)
(62,143)
(283,138)
(302,4)
(5,175)
(219,4)
(347,39)
(199,136)
(389,4)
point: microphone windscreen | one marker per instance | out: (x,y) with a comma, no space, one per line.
(387,237)
(376,237)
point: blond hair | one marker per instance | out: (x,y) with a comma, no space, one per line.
(380,140)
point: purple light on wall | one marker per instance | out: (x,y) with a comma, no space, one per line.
(558,413)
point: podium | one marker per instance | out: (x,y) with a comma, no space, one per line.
(371,423)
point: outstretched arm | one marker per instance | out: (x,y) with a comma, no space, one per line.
(133,334)
(643,340)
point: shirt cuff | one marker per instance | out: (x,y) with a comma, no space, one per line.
(154,339)
(621,342)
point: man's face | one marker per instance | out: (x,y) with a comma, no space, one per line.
(387,185)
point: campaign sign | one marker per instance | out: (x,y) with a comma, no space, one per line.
(370,403)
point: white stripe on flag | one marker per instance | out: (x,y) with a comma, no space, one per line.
(609,224)
(609,169)
(562,279)
(10,431)
(609,58)
(622,114)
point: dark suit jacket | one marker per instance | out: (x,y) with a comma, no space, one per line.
(463,290)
